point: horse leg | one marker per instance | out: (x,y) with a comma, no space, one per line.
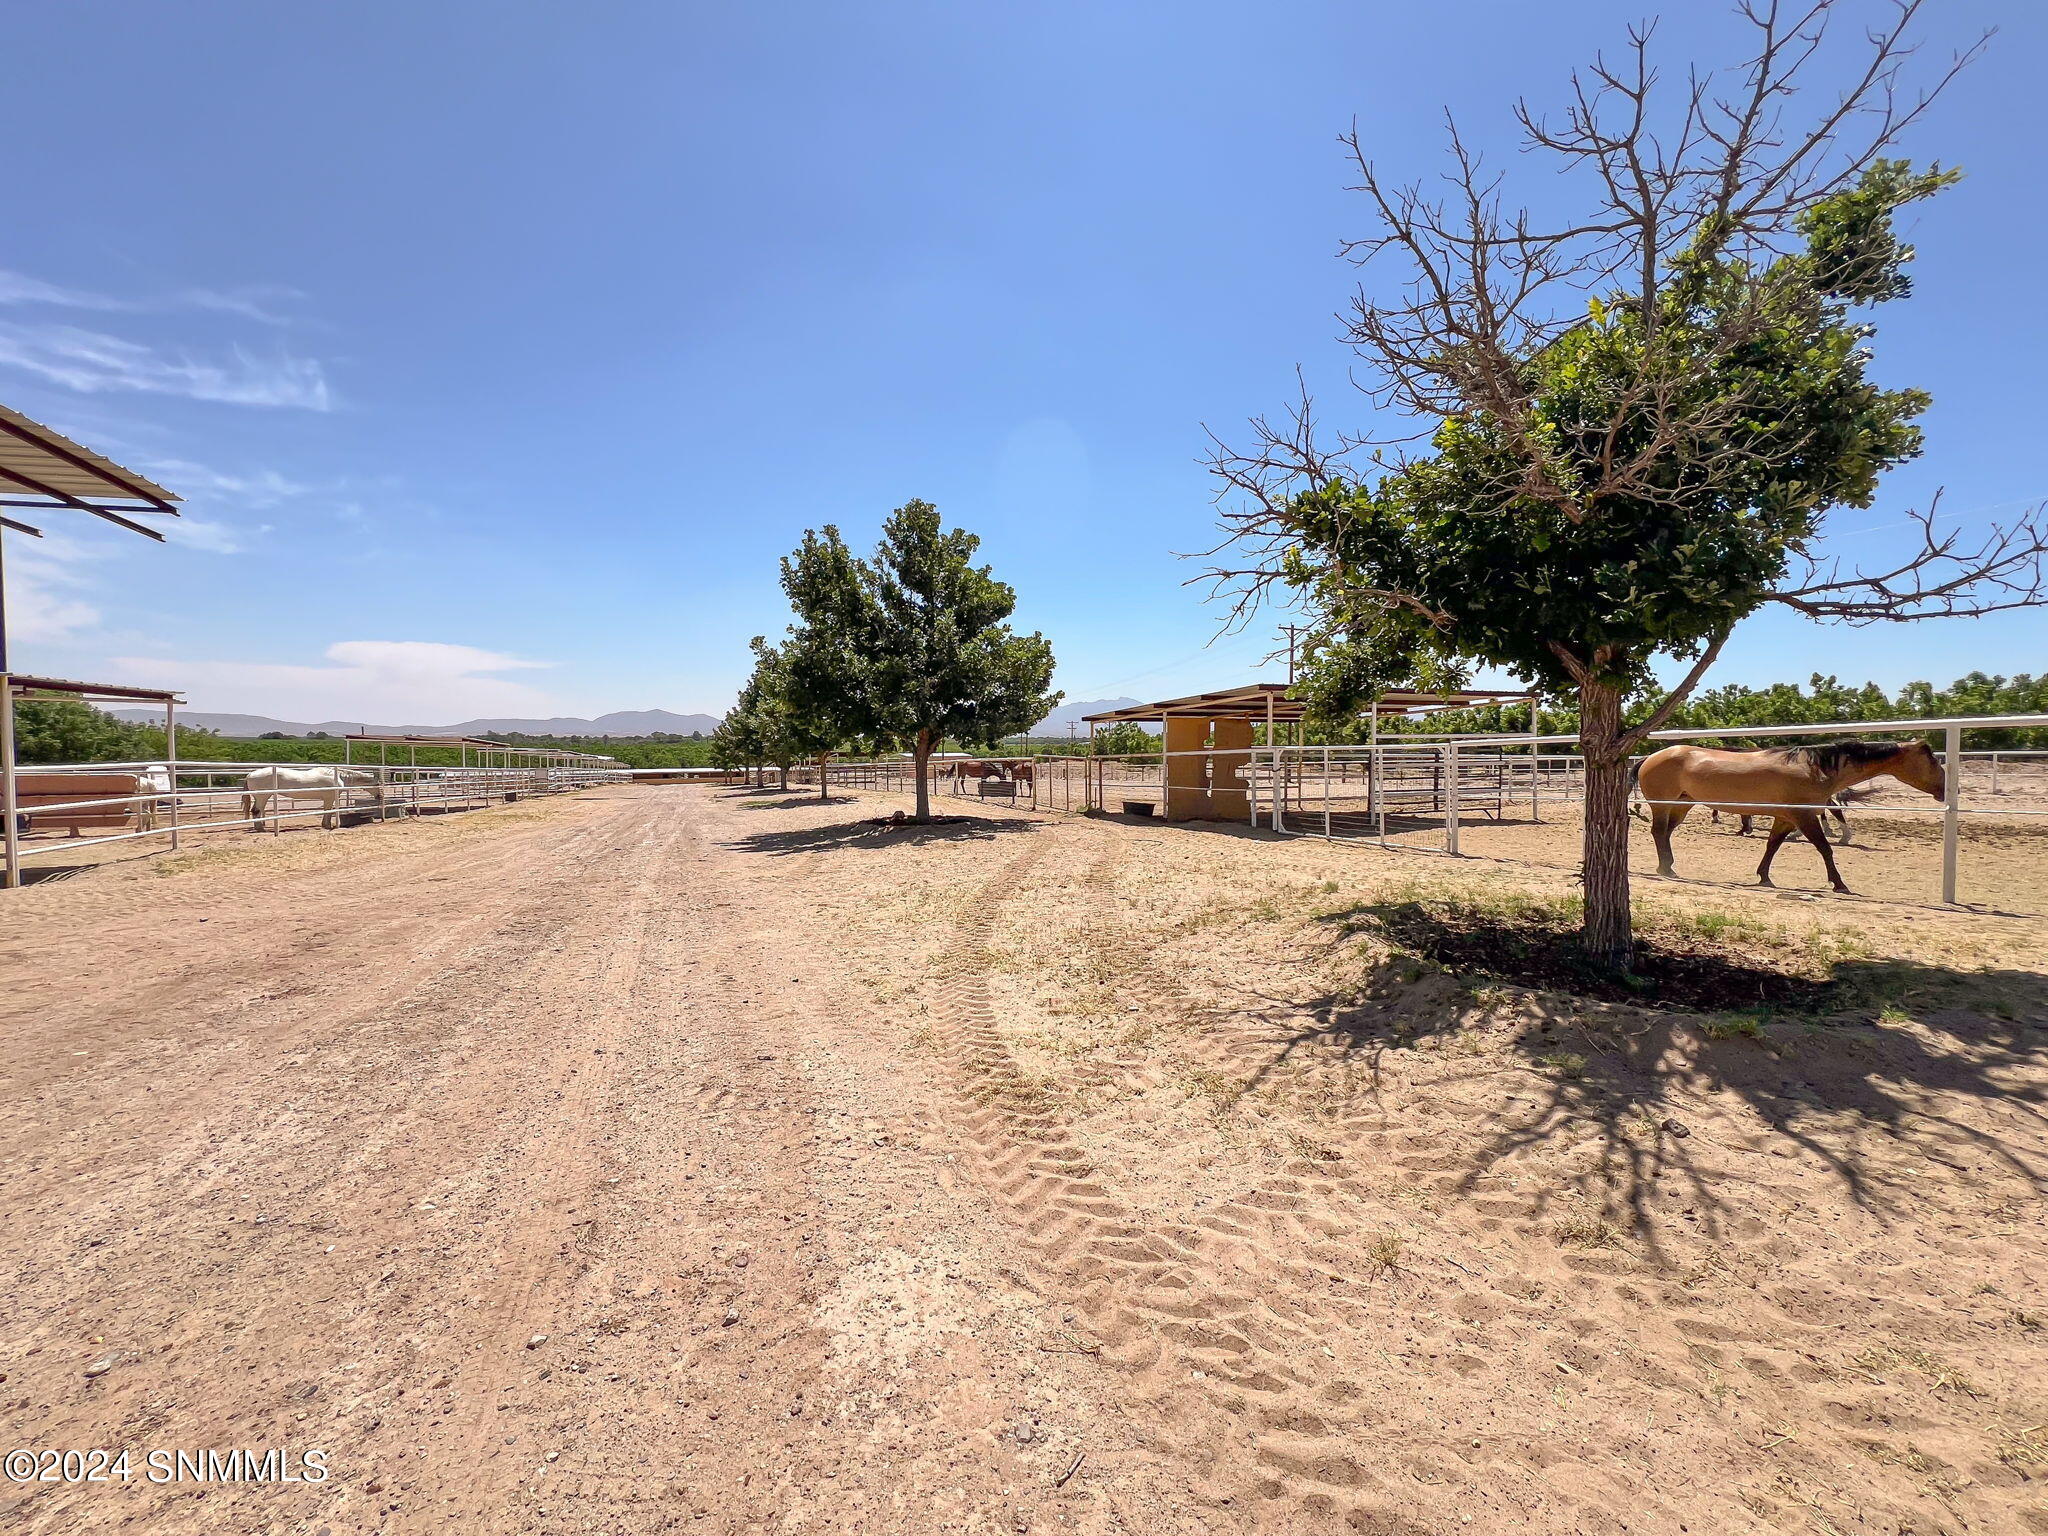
(1810,824)
(1743,830)
(1662,819)
(1780,830)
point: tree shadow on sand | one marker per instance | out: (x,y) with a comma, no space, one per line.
(865,834)
(1871,1074)
(790,801)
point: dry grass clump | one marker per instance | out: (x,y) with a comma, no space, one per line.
(1383,1254)
(1219,1088)
(1587,1229)
(1884,1360)
(2023,1449)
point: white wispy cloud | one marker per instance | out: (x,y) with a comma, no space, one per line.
(387,682)
(255,301)
(256,489)
(202,533)
(93,362)
(45,580)
(53,583)
(260,302)
(20,288)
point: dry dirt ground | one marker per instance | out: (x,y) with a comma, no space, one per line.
(684,1159)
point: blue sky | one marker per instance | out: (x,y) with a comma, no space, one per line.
(500,349)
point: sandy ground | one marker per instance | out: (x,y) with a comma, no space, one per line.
(671,1158)
(1894,860)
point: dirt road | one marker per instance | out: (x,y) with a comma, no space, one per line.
(317,1156)
(668,1159)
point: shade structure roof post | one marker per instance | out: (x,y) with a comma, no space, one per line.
(13,686)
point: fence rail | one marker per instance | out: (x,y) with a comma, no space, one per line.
(1310,784)
(1408,792)
(172,800)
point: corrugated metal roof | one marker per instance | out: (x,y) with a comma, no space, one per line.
(32,685)
(1253,700)
(483,742)
(40,460)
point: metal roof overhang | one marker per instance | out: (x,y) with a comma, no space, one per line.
(30,687)
(1255,700)
(482,743)
(435,741)
(43,469)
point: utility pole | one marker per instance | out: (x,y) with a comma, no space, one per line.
(1294,632)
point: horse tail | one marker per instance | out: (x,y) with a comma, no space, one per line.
(1635,789)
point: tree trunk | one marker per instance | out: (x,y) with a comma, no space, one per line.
(1608,936)
(782,770)
(923,754)
(823,793)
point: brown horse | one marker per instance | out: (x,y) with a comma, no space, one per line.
(1791,785)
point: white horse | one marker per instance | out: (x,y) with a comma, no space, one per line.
(326,786)
(155,780)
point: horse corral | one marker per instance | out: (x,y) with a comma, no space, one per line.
(62,809)
(1948,826)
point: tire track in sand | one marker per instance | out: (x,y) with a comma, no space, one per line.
(1214,1358)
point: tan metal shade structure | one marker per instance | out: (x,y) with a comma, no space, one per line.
(44,471)
(1206,739)
(468,744)
(40,468)
(12,688)
(1261,702)
(65,688)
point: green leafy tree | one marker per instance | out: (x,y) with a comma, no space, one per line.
(1126,738)
(68,731)
(912,648)
(806,709)
(729,748)
(823,677)
(1624,480)
(760,724)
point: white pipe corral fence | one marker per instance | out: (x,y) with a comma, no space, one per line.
(1283,771)
(1346,793)
(174,798)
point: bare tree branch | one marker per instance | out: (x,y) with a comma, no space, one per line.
(1255,487)
(1580,672)
(1636,734)
(1488,289)
(2006,568)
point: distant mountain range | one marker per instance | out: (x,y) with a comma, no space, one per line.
(624,722)
(1055,724)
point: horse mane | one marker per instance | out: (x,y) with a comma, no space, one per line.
(1834,756)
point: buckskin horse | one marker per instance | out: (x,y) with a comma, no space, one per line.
(1791,785)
